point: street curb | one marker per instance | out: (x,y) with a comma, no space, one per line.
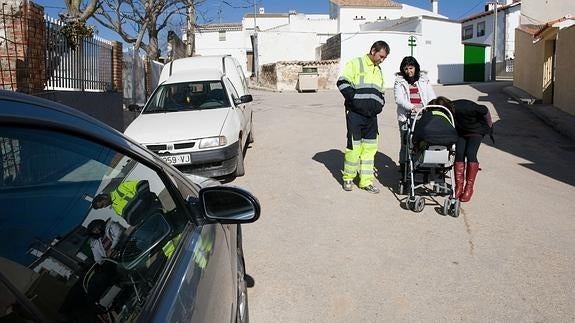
(561,121)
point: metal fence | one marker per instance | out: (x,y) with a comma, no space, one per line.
(87,68)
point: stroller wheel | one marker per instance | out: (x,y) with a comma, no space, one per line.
(446,206)
(451,207)
(456,208)
(417,204)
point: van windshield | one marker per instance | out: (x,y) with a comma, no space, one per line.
(188,96)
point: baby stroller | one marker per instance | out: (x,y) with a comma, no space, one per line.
(430,154)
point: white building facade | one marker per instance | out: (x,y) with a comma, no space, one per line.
(438,47)
(351,14)
(298,37)
(218,39)
(478,29)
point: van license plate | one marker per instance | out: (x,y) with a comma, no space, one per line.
(178,159)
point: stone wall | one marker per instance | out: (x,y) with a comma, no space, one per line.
(283,76)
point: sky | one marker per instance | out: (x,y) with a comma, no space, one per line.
(232,11)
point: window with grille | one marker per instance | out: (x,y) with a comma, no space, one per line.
(481,29)
(467,32)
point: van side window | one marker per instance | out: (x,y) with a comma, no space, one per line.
(86,230)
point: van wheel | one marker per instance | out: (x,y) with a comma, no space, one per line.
(240,171)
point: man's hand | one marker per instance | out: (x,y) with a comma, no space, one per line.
(113,253)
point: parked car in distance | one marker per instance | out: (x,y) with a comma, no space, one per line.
(199,118)
(96,228)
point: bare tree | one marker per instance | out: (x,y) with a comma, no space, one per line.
(133,20)
(77,11)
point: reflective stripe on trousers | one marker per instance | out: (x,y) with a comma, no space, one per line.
(360,160)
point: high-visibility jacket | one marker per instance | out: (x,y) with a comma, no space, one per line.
(362,85)
(170,246)
(123,194)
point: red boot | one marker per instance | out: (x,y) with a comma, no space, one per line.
(459,168)
(472,169)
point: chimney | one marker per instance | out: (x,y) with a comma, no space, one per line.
(434,6)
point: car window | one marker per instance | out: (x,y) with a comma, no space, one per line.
(188,96)
(86,231)
(232,89)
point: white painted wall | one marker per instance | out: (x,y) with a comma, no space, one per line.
(349,23)
(294,46)
(264,22)
(412,24)
(512,20)
(541,12)
(439,50)
(208,43)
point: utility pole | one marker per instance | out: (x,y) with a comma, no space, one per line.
(255,45)
(190,34)
(494,45)
(411,43)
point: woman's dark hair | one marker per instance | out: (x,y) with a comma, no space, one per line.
(98,223)
(443,101)
(409,61)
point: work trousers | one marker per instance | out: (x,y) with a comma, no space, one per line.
(361,147)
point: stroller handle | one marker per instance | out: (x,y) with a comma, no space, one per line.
(416,115)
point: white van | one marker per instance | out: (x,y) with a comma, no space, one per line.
(199,117)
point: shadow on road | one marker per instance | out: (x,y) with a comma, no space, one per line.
(514,134)
(333,161)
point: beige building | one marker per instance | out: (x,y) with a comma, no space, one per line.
(544,44)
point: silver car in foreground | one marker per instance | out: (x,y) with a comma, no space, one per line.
(96,228)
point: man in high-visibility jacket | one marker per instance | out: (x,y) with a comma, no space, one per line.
(127,191)
(362,85)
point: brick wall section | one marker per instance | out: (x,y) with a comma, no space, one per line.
(22,49)
(332,48)
(117,56)
(148,77)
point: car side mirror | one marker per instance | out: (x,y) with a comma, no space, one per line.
(244,99)
(226,204)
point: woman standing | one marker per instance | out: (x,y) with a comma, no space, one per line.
(412,91)
(473,122)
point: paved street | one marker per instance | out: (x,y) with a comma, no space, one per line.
(320,254)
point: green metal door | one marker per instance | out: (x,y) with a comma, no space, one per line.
(473,63)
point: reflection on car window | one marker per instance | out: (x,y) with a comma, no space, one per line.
(86,230)
(188,96)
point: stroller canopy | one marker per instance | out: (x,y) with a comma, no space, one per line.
(434,128)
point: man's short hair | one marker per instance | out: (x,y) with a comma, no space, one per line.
(379,45)
(99,198)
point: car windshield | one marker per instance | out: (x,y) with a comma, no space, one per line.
(188,96)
